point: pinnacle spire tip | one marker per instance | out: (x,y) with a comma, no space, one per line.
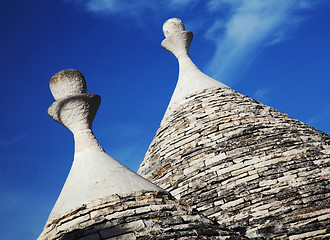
(177,39)
(173,25)
(67,82)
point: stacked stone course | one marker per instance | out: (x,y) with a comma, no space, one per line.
(247,165)
(140,215)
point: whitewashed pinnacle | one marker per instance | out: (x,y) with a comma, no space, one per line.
(191,79)
(94,174)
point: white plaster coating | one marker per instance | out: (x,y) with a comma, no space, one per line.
(191,79)
(67,82)
(76,112)
(94,174)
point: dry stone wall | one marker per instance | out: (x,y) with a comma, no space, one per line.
(144,215)
(247,165)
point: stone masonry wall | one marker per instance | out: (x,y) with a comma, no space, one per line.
(150,215)
(247,165)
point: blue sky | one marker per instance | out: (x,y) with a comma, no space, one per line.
(276,51)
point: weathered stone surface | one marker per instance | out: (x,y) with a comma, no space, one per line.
(141,215)
(247,165)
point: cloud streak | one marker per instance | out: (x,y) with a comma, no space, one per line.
(252,25)
(261,94)
(132,8)
(128,8)
(239,29)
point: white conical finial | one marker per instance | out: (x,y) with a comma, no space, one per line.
(177,40)
(191,79)
(94,174)
(67,82)
(74,108)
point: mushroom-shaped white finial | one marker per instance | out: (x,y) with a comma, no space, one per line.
(177,40)
(191,79)
(94,174)
(74,107)
(67,82)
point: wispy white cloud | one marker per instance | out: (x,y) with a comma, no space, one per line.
(132,8)
(239,29)
(182,3)
(262,94)
(251,26)
(216,29)
(216,5)
(128,8)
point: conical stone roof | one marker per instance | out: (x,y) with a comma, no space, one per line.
(101,198)
(247,165)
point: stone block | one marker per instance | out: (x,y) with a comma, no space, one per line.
(247,179)
(267,182)
(307,235)
(73,223)
(122,229)
(142,210)
(215,159)
(193,168)
(232,203)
